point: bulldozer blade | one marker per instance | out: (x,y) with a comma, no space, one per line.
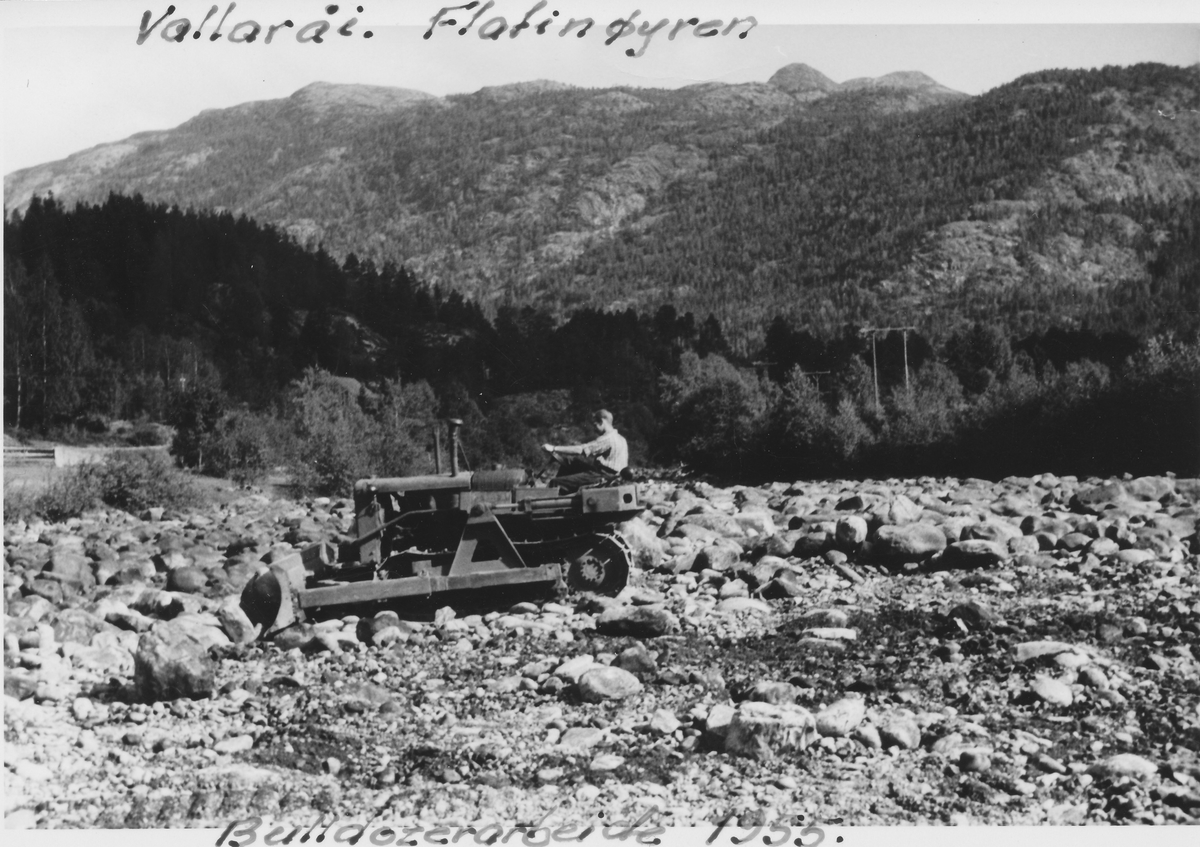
(269,600)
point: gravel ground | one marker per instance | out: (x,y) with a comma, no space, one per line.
(907,651)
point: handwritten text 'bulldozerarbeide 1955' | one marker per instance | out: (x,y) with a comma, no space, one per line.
(255,830)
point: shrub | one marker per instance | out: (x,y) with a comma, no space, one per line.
(194,413)
(70,494)
(716,413)
(18,503)
(800,425)
(244,446)
(979,355)
(148,434)
(128,480)
(403,423)
(137,479)
(928,411)
(849,434)
(330,430)
(335,441)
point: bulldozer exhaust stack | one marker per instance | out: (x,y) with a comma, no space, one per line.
(453,424)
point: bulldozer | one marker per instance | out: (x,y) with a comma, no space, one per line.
(457,537)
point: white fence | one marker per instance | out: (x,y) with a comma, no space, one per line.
(61,457)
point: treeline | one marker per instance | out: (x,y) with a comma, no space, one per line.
(112,309)
(132,311)
(261,354)
(977,409)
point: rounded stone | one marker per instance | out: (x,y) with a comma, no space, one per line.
(974,553)
(909,543)
(186,580)
(851,531)
(637,621)
(841,717)
(900,729)
(1123,764)
(777,693)
(1051,691)
(974,760)
(170,664)
(765,730)
(608,683)
(664,722)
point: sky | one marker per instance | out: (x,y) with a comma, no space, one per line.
(73,74)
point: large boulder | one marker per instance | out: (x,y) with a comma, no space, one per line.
(19,684)
(204,627)
(1150,487)
(636,659)
(608,683)
(718,557)
(913,542)
(171,664)
(67,565)
(716,725)
(900,729)
(297,636)
(647,547)
(841,717)
(1092,500)
(974,553)
(810,544)
(851,532)
(368,628)
(721,523)
(974,615)
(775,693)
(1052,692)
(756,521)
(1123,765)
(573,669)
(637,621)
(894,509)
(765,730)
(785,584)
(781,544)
(78,626)
(234,623)
(187,580)
(997,531)
(733,605)
(48,589)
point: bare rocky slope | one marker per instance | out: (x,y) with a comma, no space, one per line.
(930,651)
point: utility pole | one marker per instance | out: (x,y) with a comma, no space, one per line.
(874,331)
(817,379)
(875,370)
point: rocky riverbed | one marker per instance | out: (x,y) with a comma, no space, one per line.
(925,651)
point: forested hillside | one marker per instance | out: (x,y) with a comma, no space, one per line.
(260,354)
(1064,197)
(477,193)
(126,310)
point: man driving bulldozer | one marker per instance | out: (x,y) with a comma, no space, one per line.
(600,460)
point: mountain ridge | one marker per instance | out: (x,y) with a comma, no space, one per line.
(886,198)
(326,96)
